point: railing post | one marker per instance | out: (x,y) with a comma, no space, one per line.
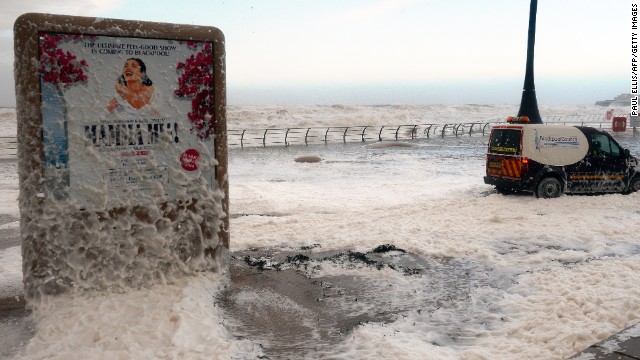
(286,135)
(264,138)
(363,130)
(242,139)
(380,133)
(326,133)
(485,127)
(344,135)
(428,130)
(306,135)
(443,129)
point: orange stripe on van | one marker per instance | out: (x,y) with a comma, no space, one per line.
(510,168)
(596,177)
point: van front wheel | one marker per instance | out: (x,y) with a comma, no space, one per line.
(548,188)
(635,184)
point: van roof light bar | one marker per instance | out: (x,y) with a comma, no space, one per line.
(518,120)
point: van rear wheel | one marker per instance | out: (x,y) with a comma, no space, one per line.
(548,188)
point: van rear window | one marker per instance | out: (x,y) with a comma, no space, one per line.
(505,141)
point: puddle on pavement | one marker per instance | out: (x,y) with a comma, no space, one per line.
(302,302)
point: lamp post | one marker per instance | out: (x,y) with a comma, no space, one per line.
(529,103)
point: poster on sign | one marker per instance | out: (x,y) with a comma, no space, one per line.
(126,117)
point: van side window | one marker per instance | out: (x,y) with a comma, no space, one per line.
(604,146)
(616,150)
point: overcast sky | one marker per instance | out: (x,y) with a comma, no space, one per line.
(386,51)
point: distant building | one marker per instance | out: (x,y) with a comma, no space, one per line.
(620,100)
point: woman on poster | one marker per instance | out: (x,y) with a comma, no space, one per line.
(135,91)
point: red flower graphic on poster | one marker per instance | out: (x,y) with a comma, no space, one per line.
(196,82)
(58,67)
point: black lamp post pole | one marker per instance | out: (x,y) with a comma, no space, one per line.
(529,103)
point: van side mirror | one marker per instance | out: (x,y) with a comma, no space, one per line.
(627,153)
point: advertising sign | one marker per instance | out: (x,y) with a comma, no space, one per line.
(119,113)
(122,152)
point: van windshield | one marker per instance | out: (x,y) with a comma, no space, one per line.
(505,141)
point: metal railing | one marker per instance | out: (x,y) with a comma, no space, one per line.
(344,134)
(363,133)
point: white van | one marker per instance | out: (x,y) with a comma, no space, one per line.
(550,160)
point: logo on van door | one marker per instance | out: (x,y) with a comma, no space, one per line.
(543,141)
